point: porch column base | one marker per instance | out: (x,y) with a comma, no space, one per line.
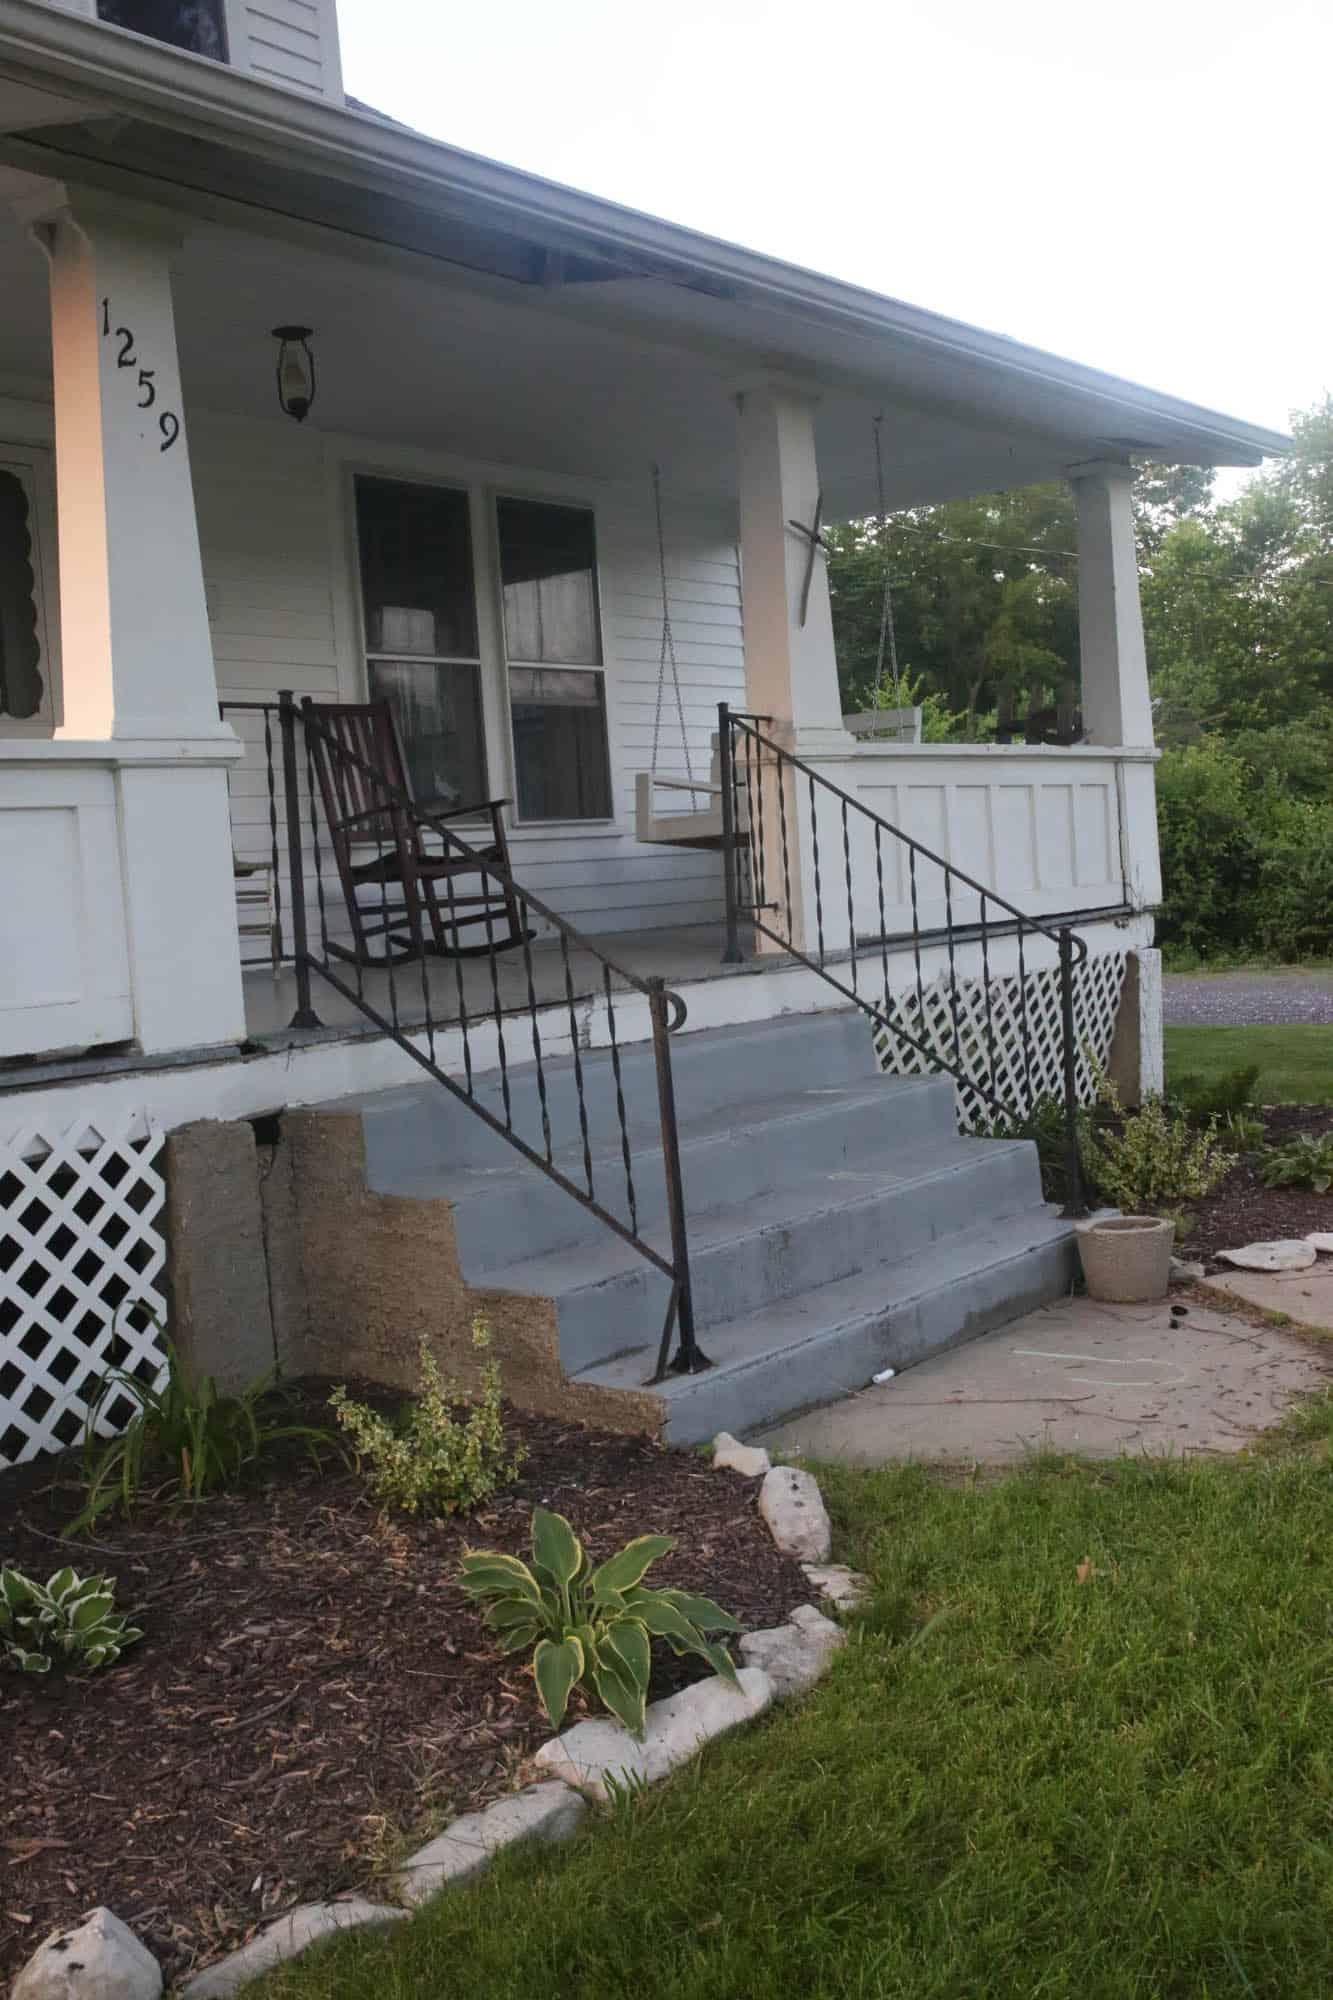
(1136,1064)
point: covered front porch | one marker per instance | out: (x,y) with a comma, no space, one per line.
(466,524)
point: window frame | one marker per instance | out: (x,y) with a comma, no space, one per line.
(571,503)
(368,656)
(33,465)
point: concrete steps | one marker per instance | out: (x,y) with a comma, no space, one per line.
(838,1224)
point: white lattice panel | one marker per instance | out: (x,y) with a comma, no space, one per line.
(1013,1050)
(81,1255)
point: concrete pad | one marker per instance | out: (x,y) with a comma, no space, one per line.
(1079,1377)
(1306,1296)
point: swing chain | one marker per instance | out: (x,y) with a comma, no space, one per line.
(887,635)
(668,655)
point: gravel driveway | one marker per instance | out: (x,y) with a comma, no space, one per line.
(1248,999)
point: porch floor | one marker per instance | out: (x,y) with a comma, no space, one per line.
(678,955)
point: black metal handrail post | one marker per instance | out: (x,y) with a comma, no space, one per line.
(305,1015)
(730,852)
(1075,1200)
(688,1359)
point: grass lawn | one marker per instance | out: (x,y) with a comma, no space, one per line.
(1295,1064)
(1014,1783)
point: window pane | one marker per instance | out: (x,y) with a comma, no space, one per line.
(548,572)
(439,715)
(20,649)
(560,759)
(416,569)
(186,24)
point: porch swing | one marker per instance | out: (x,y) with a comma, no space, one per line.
(700,826)
(882,723)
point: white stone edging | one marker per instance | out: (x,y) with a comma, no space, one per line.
(593,1759)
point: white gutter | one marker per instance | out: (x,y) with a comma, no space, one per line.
(118,72)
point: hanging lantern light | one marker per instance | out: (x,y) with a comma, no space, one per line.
(296,371)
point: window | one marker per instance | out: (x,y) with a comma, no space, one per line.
(420,608)
(187,24)
(25,691)
(548,577)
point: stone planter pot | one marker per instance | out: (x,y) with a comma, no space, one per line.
(1127,1258)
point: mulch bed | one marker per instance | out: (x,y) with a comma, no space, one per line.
(1243,1210)
(312,1690)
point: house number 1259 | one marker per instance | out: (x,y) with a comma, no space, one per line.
(168,423)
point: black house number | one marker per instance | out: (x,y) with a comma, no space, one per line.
(168,423)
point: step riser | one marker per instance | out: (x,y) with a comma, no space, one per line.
(413,1131)
(842,1359)
(735,1278)
(525,1219)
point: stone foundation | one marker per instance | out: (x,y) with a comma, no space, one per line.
(279,1253)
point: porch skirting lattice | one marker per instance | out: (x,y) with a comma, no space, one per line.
(1023,1031)
(81,1259)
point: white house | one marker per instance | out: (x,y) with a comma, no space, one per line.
(464,521)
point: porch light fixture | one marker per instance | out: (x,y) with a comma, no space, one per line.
(296,371)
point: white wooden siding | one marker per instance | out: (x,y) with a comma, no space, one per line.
(289,42)
(273,553)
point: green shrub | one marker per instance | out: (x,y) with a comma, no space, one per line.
(1152,1159)
(184,1442)
(68,1621)
(1225,1096)
(591,1626)
(431,1458)
(1302,1161)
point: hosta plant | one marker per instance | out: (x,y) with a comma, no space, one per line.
(1303,1161)
(68,1621)
(589,1626)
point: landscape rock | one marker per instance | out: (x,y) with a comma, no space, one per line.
(309,1923)
(796,1654)
(547,1812)
(833,1583)
(1321,1239)
(1181,1268)
(790,1502)
(97,1959)
(750,1460)
(593,1752)
(1285,1254)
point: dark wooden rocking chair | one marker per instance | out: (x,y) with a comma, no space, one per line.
(348,742)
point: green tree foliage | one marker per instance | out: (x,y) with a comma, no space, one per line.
(1238,619)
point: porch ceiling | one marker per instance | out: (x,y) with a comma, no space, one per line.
(463,306)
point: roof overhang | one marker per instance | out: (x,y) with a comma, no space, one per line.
(79,99)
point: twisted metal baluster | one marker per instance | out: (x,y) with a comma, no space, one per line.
(274,861)
(754,799)
(319,865)
(389,965)
(847,871)
(620,1102)
(883,920)
(781,784)
(953,965)
(916,940)
(1023,1018)
(819,886)
(985,987)
(578,1064)
(499,1012)
(536,1027)
(459,983)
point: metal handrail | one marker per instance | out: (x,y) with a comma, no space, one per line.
(667,1011)
(734,727)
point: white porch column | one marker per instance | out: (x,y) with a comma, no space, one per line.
(791,671)
(1117,706)
(136,655)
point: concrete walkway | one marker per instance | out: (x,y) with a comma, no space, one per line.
(1077,1377)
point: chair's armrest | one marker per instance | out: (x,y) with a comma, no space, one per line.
(438,810)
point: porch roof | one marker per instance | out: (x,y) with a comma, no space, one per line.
(82,100)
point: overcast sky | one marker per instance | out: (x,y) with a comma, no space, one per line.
(1143,185)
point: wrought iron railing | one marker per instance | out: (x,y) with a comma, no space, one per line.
(434,1006)
(844,934)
